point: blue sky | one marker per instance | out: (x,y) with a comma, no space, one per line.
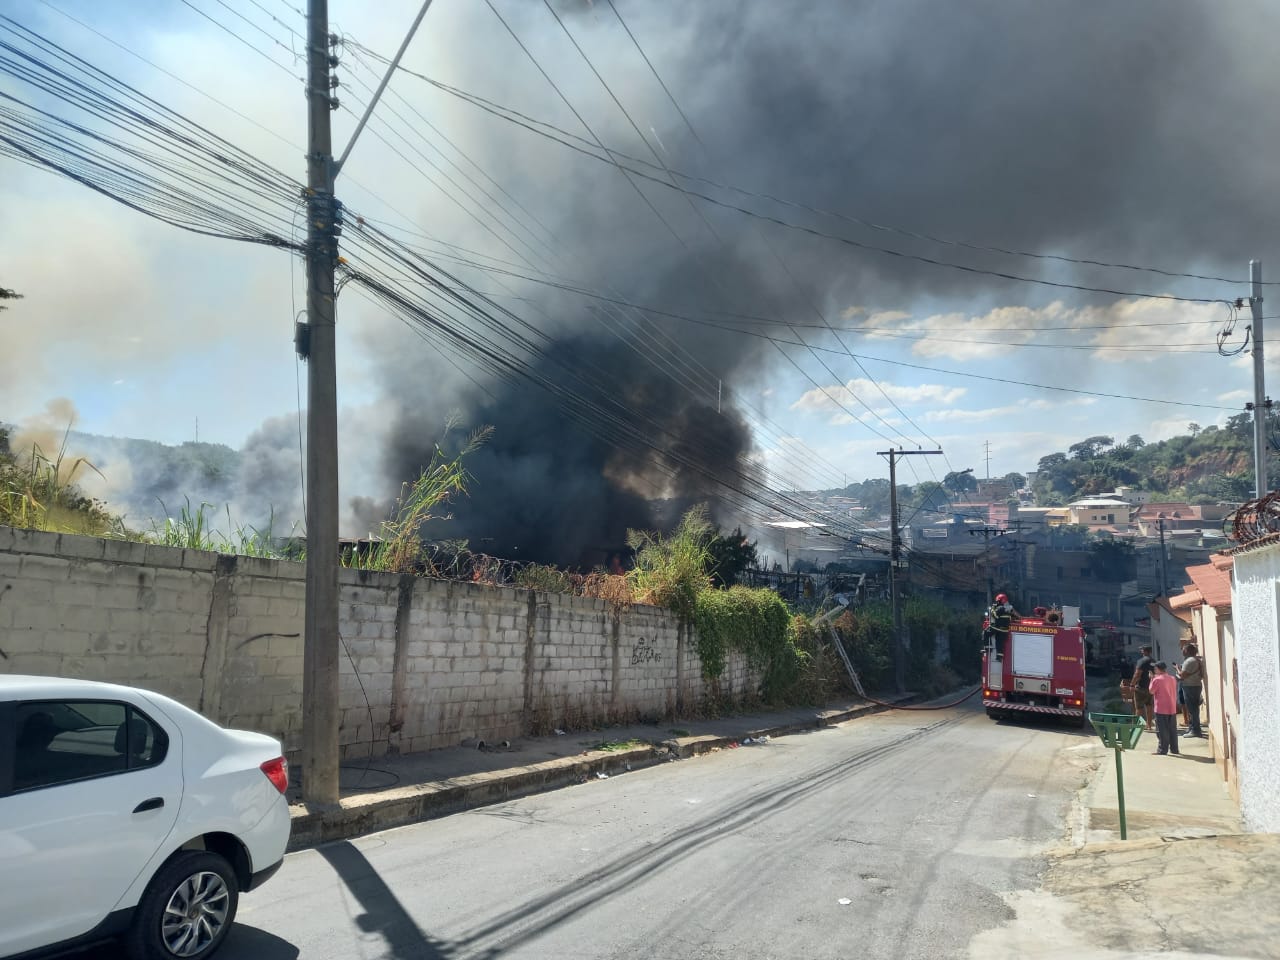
(147,330)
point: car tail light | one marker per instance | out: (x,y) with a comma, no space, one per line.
(277,772)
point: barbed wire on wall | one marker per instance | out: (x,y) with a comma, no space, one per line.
(1254,519)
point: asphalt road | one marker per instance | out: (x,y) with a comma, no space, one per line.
(924,822)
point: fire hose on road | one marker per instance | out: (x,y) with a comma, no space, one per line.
(922,706)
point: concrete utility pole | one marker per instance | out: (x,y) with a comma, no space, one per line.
(1260,402)
(316,344)
(320,640)
(1164,580)
(895,561)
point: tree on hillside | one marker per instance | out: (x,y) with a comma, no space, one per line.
(7,294)
(960,481)
(929,495)
(873,494)
(1135,442)
(1193,428)
(1090,449)
(1016,481)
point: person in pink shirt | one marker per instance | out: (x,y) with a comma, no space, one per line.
(1164,691)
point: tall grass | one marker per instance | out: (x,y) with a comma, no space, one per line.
(38,491)
(398,545)
(193,529)
(190,529)
(671,570)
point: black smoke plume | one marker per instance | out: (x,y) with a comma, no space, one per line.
(1087,127)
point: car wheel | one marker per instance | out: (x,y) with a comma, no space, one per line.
(187,909)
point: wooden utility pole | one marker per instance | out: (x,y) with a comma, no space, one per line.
(895,563)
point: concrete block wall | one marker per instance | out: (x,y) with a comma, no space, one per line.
(425,663)
(105,610)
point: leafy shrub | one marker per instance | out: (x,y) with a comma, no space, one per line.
(867,635)
(756,623)
(670,571)
(544,578)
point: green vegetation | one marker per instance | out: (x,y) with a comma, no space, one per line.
(756,623)
(674,572)
(670,571)
(616,746)
(544,578)
(867,636)
(1207,465)
(731,554)
(193,530)
(38,491)
(398,545)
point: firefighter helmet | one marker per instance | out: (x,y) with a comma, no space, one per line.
(1002,598)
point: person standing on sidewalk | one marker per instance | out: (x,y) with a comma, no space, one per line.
(1142,687)
(1164,693)
(1191,675)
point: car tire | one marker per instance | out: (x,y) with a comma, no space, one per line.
(187,909)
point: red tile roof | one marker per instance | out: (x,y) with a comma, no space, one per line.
(1212,584)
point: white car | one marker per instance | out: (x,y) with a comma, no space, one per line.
(124,814)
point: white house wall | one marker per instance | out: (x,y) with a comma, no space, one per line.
(1256,617)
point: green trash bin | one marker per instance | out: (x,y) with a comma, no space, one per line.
(1120,732)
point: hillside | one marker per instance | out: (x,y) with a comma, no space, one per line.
(37,488)
(1207,465)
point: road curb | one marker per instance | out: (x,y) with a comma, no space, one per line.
(685,747)
(400,806)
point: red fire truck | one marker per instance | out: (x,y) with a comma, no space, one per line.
(1038,668)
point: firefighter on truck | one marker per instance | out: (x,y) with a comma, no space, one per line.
(1000,617)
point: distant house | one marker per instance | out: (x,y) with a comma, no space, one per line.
(1032,518)
(1098,512)
(1179,516)
(1170,627)
(1131,495)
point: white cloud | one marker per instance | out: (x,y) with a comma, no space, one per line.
(883,317)
(855,392)
(1138,329)
(971,416)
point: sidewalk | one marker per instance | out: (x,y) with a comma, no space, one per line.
(1187,883)
(1174,796)
(393,791)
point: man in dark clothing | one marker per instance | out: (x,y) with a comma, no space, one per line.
(1191,677)
(1142,703)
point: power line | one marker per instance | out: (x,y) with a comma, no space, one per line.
(711,229)
(256,49)
(614,157)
